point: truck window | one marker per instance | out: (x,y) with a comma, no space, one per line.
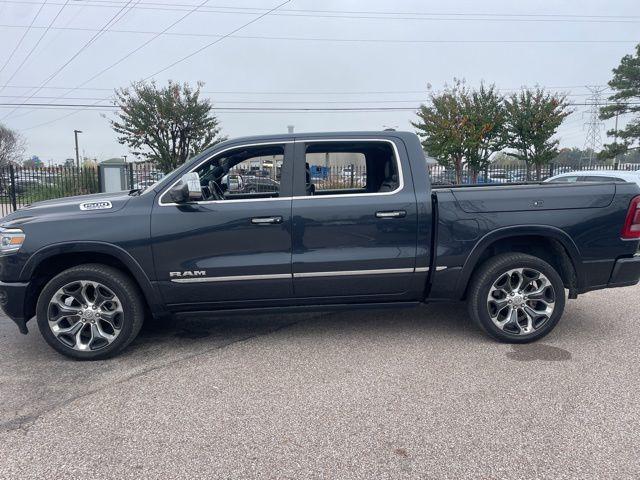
(350,167)
(243,173)
(598,178)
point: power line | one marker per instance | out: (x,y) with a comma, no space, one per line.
(360,13)
(121,59)
(35,46)
(342,40)
(115,18)
(195,52)
(300,108)
(26,32)
(299,92)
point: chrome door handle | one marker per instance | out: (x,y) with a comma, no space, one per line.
(266,220)
(392,214)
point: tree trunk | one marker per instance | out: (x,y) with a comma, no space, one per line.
(527,170)
(458,167)
(538,172)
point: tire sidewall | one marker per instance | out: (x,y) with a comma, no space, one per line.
(129,308)
(494,272)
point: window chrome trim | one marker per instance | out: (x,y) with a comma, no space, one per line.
(296,197)
(206,202)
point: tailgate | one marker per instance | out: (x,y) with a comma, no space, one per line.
(515,198)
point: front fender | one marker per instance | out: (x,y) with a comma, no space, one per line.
(146,286)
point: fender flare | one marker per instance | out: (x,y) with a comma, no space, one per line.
(148,290)
(516,231)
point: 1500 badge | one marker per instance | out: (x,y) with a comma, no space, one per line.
(104,205)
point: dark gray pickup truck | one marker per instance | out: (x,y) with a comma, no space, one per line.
(365,229)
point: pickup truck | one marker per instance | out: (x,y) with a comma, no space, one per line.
(92,268)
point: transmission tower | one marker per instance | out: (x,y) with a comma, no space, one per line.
(594,126)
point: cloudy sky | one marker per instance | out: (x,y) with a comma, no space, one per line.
(373,58)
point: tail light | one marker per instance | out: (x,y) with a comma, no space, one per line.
(631,229)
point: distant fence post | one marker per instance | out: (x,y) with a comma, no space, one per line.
(130,167)
(12,190)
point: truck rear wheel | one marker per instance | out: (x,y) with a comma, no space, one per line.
(90,312)
(516,298)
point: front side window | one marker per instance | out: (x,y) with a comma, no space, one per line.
(350,168)
(568,179)
(246,172)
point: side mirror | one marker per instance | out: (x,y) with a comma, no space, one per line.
(187,189)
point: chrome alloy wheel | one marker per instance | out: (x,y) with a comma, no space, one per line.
(521,301)
(85,315)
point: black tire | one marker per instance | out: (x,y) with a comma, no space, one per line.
(491,272)
(120,284)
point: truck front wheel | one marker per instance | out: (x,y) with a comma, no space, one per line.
(516,298)
(90,312)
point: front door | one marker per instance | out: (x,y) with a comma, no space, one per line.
(354,220)
(234,244)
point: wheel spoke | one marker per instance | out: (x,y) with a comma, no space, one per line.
(520,301)
(85,315)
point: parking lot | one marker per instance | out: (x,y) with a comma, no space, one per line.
(416,393)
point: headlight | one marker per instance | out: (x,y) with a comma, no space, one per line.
(11,239)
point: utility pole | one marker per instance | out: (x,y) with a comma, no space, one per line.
(75,133)
(593,139)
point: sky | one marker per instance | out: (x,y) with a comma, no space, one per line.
(373,58)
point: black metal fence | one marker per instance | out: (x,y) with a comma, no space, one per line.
(497,173)
(20,186)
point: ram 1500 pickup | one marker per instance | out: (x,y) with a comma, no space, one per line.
(246,226)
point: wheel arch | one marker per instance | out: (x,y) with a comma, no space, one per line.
(549,243)
(47,262)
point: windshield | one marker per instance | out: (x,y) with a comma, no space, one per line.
(166,176)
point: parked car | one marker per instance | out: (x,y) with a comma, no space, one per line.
(596,176)
(90,269)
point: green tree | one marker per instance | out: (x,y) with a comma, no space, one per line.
(33,162)
(484,127)
(165,125)
(625,100)
(532,119)
(441,127)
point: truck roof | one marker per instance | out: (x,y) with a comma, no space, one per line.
(293,136)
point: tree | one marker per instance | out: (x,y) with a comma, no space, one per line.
(484,127)
(532,119)
(33,162)
(165,125)
(11,146)
(441,127)
(626,99)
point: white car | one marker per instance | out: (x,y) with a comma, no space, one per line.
(597,176)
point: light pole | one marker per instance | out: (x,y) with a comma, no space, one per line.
(75,133)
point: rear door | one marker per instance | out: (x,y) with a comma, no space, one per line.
(355,227)
(233,250)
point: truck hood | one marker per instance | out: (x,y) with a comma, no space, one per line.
(96,204)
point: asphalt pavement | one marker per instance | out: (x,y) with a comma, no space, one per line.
(391,394)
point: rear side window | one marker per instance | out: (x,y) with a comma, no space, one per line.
(350,168)
(564,180)
(598,178)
